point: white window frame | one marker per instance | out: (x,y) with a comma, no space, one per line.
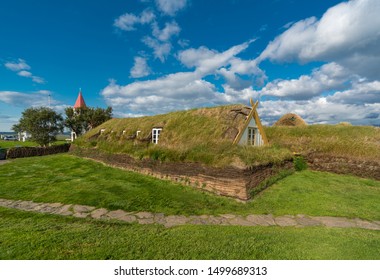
(251,136)
(156,135)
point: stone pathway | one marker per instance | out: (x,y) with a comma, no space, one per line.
(3,161)
(83,211)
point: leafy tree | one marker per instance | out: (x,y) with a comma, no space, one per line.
(16,128)
(75,120)
(97,116)
(42,123)
(81,120)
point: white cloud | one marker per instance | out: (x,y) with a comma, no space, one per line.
(346,31)
(360,93)
(160,50)
(225,63)
(194,57)
(184,90)
(38,80)
(21,99)
(183,43)
(18,65)
(170,29)
(172,92)
(321,110)
(140,68)
(128,21)
(28,74)
(208,61)
(24,73)
(161,44)
(330,76)
(171,7)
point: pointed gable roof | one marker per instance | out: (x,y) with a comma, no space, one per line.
(253,114)
(80,101)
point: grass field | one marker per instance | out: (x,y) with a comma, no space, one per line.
(26,235)
(68,179)
(11,144)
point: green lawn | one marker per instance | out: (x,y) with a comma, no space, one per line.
(11,144)
(68,179)
(25,235)
(323,194)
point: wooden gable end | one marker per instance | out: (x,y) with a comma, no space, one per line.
(252,132)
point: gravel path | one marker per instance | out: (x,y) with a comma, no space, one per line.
(83,211)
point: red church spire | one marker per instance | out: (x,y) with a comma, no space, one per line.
(80,101)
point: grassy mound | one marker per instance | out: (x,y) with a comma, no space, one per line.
(199,135)
(206,135)
(356,142)
(290,120)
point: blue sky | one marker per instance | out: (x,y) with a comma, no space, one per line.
(319,59)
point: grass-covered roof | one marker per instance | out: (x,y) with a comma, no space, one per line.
(182,128)
(206,135)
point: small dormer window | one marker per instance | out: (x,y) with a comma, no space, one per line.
(156,135)
(102,130)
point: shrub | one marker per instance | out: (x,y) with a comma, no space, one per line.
(3,153)
(299,163)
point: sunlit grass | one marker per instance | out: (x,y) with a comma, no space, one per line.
(72,180)
(25,235)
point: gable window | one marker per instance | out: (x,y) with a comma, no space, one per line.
(155,135)
(251,136)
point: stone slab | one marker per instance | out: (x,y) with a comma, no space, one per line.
(261,220)
(82,208)
(367,224)
(128,219)
(240,221)
(306,221)
(285,221)
(144,215)
(176,221)
(99,213)
(336,222)
(117,214)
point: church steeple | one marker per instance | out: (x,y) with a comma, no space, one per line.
(80,101)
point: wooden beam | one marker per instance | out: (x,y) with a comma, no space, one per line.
(260,127)
(240,134)
(256,117)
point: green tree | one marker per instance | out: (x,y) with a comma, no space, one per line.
(42,123)
(75,119)
(81,120)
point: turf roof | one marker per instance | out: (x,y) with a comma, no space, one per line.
(205,125)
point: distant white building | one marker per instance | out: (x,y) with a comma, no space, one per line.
(23,136)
